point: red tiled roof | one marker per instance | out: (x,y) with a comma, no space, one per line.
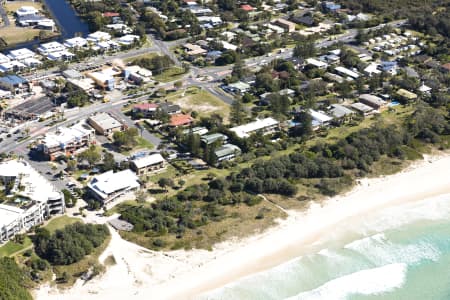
(146,106)
(111,14)
(446,66)
(247,7)
(180,120)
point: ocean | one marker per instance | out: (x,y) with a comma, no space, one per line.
(398,253)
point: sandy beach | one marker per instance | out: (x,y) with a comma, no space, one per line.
(143,274)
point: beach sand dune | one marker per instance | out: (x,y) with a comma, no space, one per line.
(143,274)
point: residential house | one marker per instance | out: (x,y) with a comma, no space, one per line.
(147,164)
(363,109)
(180,120)
(341,112)
(227,152)
(147,110)
(406,95)
(319,119)
(373,101)
(209,139)
(285,24)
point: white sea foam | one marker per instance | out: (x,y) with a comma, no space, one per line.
(432,209)
(366,282)
(380,250)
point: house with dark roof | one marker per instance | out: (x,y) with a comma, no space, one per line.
(170,108)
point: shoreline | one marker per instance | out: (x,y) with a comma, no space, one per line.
(185,274)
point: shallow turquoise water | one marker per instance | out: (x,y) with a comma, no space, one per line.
(399,253)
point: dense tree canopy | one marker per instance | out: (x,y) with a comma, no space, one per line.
(71,244)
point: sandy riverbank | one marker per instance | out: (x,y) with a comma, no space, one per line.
(144,274)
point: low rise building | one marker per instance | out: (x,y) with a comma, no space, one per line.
(76,42)
(288,26)
(341,112)
(98,36)
(363,109)
(51,47)
(373,101)
(105,78)
(209,139)
(21,54)
(265,126)
(346,72)
(137,74)
(406,95)
(14,83)
(147,110)
(66,140)
(319,118)
(109,185)
(227,152)
(105,124)
(148,164)
(179,120)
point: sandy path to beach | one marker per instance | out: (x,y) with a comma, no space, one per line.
(143,274)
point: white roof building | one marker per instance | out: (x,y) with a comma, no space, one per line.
(4,58)
(148,160)
(128,39)
(26,11)
(47,48)
(228,46)
(98,36)
(266,125)
(110,185)
(346,72)
(75,42)
(61,55)
(68,135)
(319,118)
(21,54)
(316,63)
(371,69)
(11,66)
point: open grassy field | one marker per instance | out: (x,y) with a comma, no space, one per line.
(12,6)
(171,74)
(11,248)
(203,102)
(60,223)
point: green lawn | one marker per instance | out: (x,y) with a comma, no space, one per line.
(171,74)
(144,144)
(11,248)
(61,222)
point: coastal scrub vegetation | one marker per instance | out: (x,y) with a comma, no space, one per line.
(70,244)
(13,281)
(329,167)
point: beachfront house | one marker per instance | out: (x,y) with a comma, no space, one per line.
(148,164)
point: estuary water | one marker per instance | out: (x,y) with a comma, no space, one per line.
(398,253)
